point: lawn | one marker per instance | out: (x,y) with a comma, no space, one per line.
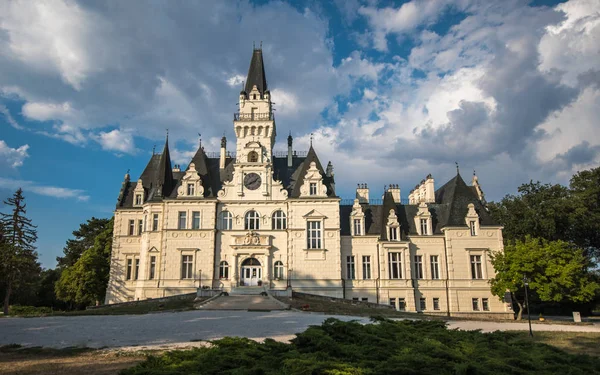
(389,347)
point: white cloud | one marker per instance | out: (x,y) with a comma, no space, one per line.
(13,157)
(236,80)
(50,191)
(11,121)
(116,140)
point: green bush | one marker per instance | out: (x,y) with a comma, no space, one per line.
(388,347)
(29,310)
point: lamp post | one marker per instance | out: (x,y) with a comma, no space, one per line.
(526,283)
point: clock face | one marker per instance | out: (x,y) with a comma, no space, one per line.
(252,181)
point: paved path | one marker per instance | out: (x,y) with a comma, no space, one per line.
(248,302)
(189,327)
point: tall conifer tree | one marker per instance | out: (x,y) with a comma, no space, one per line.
(18,258)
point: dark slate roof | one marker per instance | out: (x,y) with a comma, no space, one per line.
(449,209)
(256,73)
(297,178)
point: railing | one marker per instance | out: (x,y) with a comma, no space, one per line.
(372,202)
(284,154)
(253,116)
(217,155)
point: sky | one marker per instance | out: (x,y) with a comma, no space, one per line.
(391,91)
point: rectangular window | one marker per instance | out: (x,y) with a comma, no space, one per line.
(393,234)
(423,304)
(393,302)
(475,304)
(350,275)
(418,266)
(138,199)
(181,224)
(423,227)
(366,261)
(155,222)
(140,227)
(435,267)
(401,304)
(196,220)
(137,268)
(152,268)
(190,189)
(436,303)
(472,226)
(186,267)
(131,227)
(314,235)
(129,269)
(476,267)
(313,188)
(395,265)
(364,299)
(357,227)
(485,304)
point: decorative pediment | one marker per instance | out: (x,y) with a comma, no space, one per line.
(191,184)
(251,240)
(392,219)
(313,183)
(423,214)
(138,194)
(357,211)
(153,250)
(314,214)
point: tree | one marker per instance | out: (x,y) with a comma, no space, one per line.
(84,239)
(557,272)
(86,280)
(18,258)
(585,218)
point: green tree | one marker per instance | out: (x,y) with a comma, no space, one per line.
(85,282)
(18,258)
(84,239)
(557,272)
(585,218)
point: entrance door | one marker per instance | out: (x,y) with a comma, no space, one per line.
(251,272)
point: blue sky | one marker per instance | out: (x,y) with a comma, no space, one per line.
(391,90)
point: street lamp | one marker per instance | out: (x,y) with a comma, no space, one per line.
(526,283)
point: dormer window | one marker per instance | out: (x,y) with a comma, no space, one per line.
(472,228)
(191,184)
(423,221)
(138,194)
(313,188)
(393,235)
(357,220)
(423,227)
(254,96)
(190,189)
(138,199)
(313,183)
(357,227)
(472,220)
(252,157)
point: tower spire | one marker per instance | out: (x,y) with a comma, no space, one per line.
(256,72)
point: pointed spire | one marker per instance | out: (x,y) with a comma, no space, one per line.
(256,73)
(165,172)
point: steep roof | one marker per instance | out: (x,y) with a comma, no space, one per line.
(456,195)
(256,73)
(297,178)
(164,173)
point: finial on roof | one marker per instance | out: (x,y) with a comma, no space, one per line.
(261,44)
(253,45)
(311,139)
(153,149)
(199,140)
(474,172)
(457,170)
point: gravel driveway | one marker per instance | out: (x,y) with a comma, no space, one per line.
(189,327)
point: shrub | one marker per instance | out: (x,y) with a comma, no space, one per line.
(29,310)
(388,347)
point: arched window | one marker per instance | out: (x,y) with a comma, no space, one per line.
(279,220)
(252,220)
(278,270)
(252,157)
(225,220)
(223,270)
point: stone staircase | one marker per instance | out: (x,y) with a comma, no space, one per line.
(247,290)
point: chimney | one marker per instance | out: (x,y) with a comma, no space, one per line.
(223,152)
(362,193)
(429,189)
(176,168)
(395,191)
(289,150)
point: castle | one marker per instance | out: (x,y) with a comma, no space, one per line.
(259,218)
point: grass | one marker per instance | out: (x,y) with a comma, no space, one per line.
(571,342)
(389,347)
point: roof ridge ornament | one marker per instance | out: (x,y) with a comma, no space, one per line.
(457,170)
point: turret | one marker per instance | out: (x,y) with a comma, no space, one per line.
(223,153)
(289,155)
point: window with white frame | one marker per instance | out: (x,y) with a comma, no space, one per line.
(190,189)
(423,304)
(472,228)
(223,270)
(475,302)
(187,265)
(366,264)
(313,188)
(402,304)
(129,269)
(395,262)
(418,266)
(155,222)
(436,303)
(140,227)
(279,220)
(357,227)
(278,270)
(182,220)
(350,271)
(485,304)
(137,269)
(196,220)
(435,267)
(131,227)
(424,227)
(138,199)
(152,268)
(313,235)
(252,220)
(393,234)
(476,272)
(225,220)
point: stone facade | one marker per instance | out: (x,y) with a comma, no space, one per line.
(255,218)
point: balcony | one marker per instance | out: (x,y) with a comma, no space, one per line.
(253,116)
